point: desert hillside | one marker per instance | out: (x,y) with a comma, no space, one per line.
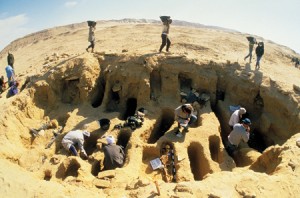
(66,87)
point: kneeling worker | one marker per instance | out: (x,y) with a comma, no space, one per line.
(185,117)
(114,155)
(76,138)
(240,132)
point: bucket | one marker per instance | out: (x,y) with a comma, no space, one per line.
(104,123)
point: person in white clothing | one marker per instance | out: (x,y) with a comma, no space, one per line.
(236,116)
(184,117)
(76,138)
(240,132)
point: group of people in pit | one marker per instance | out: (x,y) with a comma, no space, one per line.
(240,128)
(114,155)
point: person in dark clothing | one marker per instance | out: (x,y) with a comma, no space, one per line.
(91,38)
(164,35)
(259,53)
(10,59)
(2,85)
(252,42)
(13,90)
(296,61)
(113,154)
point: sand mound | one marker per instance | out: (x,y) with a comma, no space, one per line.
(65,88)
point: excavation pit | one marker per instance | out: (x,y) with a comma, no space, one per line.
(70,93)
(162,125)
(185,83)
(215,149)
(90,143)
(130,108)
(155,84)
(165,80)
(96,167)
(68,168)
(198,163)
(124,137)
(99,94)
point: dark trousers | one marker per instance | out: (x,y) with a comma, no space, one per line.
(92,45)
(230,148)
(165,40)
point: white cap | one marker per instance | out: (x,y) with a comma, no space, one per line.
(110,139)
(242,111)
(86,133)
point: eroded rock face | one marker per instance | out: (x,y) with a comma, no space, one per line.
(82,90)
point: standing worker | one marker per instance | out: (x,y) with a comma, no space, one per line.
(10,73)
(164,36)
(10,59)
(252,41)
(91,39)
(259,53)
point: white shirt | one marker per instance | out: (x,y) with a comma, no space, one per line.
(235,118)
(238,134)
(72,138)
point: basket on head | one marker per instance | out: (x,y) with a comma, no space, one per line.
(92,23)
(165,18)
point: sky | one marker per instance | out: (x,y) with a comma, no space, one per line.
(275,20)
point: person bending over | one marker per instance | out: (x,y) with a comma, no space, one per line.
(76,138)
(114,155)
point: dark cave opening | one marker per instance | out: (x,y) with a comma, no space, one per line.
(130,109)
(162,125)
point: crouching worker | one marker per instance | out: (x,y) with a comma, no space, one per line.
(185,117)
(76,138)
(114,155)
(240,132)
(2,85)
(13,90)
(236,116)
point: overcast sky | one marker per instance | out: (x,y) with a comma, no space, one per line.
(276,20)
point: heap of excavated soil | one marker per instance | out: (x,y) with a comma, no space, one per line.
(62,83)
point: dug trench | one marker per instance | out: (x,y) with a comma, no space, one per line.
(71,96)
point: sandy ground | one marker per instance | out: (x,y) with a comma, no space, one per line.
(25,164)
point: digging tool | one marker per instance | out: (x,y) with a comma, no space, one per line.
(55,135)
(35,132)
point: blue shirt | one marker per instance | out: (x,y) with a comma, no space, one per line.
(9,71)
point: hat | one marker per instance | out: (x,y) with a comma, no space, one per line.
(242,111)
(87,134)
(246,121)
(110,139)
